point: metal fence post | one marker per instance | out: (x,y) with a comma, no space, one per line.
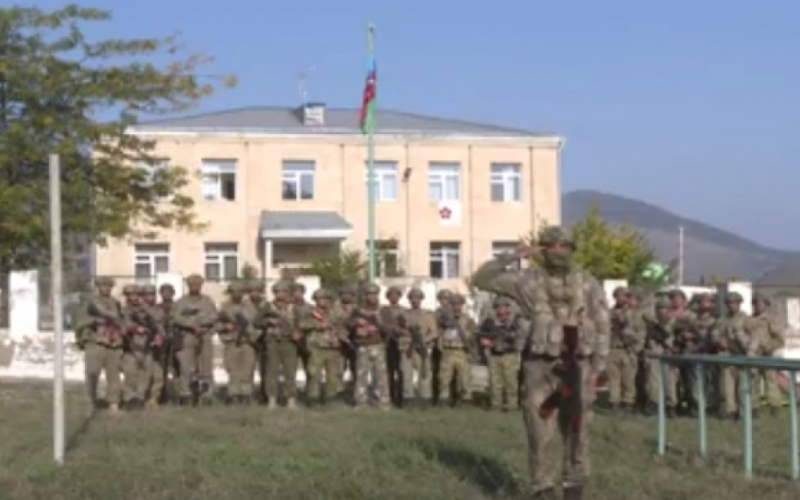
(700,369)
(662,418)
(793,425)
(747,418)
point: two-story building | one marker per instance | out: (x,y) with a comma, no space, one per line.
(281,186)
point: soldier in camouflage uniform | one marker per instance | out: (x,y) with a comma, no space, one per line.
(686,342)
(704,325)
(458,342)
(169,362)
(100,335)
(143,337)
(194,317)
(660,339)
(735,336)
(771,339)
(626,343)
(256,295)
(278,322)
(416,355)
(155,363)
(302,306)
(502,336)
(555,295)
(325,332)
(237,335)
(369,341)
(392,318)
(344,307)
(443,299)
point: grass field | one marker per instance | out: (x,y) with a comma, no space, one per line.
(246,453)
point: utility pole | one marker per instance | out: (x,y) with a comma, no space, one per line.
(680,256)
(56,259)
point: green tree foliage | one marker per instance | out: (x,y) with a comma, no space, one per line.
(62,92)
(249,272)
(608,252)
(352,266)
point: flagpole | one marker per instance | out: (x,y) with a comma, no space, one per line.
(371,171)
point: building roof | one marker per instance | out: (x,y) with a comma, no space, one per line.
(272,220)
(783,275)
(336,121)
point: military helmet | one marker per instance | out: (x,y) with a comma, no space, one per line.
(104,281)
(166,286)
(130,290)
(501,301)
(677,292)
(298,287)
(620,290)
(416,292)
(554,234)
(322,293)
(194,279)
(733,297)
(282,286)
(443,294)
(663,303)
(371,288)
(255,285)
(348,290)
(394,290)
(148,289)
(457,298)
(761,297)
(237,287)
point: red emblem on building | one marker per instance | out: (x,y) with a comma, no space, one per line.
(445,213)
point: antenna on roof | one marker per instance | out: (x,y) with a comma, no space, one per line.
(302,84)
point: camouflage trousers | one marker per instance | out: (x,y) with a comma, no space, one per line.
(731,378)
(282,360)
(371,360)
(455,365)
(772,391)
(670,383)
(504,379)
(328,361)
(196,361)
(540,382)
(621,371)
(144,377)
(411,363)
(240,363)
(99,359)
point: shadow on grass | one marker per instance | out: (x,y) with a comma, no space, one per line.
(80,433)
(717,459)
(487,473)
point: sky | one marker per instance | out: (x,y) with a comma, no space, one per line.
(691,105)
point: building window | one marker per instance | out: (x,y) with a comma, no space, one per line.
(501,247)
(218,179)
(385,180)
(445,260)
(298,180)
(152,170)
(150,259)
(506,182)
(387,258)
(443,181)
(222,261)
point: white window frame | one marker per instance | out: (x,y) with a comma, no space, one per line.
(294,171)
(447,175)
(386,180)
(216,254)
(383,248)
(445,252)
(154,255)
(508,176)
(211,172)
(504,247)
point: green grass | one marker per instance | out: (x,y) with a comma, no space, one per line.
(242,453)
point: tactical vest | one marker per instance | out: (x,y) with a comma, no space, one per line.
(565,304)
(324,335)
(452,338)
(280,330)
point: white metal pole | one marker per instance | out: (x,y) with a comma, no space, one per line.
(58,310)
(680,256)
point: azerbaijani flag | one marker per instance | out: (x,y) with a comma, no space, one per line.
(367,117)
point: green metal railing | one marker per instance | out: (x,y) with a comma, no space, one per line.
(700,361)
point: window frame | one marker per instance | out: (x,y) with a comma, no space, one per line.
(147,253)
(385,247)
(216,168)
(385,172)
(445,249)
(215,254)
(505,175)
(294,171)
(440,172)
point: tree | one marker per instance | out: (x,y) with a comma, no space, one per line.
(352,266)
(608,252)
(61,92)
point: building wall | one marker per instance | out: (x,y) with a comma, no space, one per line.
(340,186)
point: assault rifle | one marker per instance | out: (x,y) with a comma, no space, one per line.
(239,322)
(357,319)
(502,334)
(447,321)
(146,321)
(567,395)
(112,322)
(417,342)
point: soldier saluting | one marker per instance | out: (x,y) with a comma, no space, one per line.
(559,298)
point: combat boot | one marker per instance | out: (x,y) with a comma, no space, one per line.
(291,404)
(272,404)
(573,493)
(113,409)
(546,494)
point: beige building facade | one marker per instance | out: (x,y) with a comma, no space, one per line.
(279,187)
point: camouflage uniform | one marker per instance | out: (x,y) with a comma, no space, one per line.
(397,337)
(416,356)
(324,332)
(622,359)
(237,336)
(256,292)
(771,339)
(457,340)
(278,322)
(705,323)
(194,317)
(555,295)
(686,342)
(367,338)
(155,372)
(344,308)
(143,335)
(101,337)
(503,337)
(302,307)
(661,340)
(169,361)
(735,337)
(443,297)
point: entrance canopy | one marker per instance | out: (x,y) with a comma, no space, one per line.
(296,225)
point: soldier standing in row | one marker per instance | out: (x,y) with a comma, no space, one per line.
(344,307)
(660,340)
(302,306)
(101,338)
(142,336)
(256,295)
(457,340)
(169,361)
(324,332)
(705,324)
(368,338)
(194,317)
(771,340)
(239,356)
(155,370)
(391,318)
(626,343)
(278,322)
(416,356)
(503,338)
(555,296)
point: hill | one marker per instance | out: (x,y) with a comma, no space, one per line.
(240,453)
(708,250)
